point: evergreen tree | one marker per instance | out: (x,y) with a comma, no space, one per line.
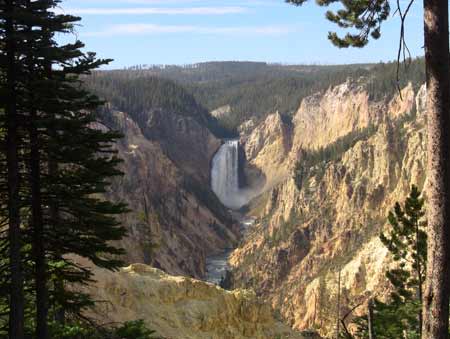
(407,242)
(59,164)
(30,109)
(10,75)
(82,160)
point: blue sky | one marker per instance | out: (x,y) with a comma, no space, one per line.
(189,31)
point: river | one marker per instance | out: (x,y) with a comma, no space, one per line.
(217,265)
(225,184)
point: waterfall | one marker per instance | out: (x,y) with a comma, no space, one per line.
(225,184)
(225,176)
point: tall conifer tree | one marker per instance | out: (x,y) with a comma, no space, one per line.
(63,159)
(10,73)
(406,241)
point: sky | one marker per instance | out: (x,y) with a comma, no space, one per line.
(179,32)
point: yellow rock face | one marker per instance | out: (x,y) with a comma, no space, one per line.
(169,226)
(266,148)
(183,308)
(303,237)
(321,119)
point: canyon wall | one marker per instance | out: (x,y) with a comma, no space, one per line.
(183,308)
(329,221)
(175,220)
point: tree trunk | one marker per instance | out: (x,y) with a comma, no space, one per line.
(38,232)
(37,219)
(16,312)
(338,306)
(436,293)
(370,319)
(419,273)
(60,314)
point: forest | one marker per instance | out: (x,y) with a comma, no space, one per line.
(252,90)
(140,95)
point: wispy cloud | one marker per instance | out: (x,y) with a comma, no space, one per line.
(182,2)
(143,2)
(148,29)
(155,11)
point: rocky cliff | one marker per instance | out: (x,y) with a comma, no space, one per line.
(365,157)
(174,219)
(183,308)
(266,148)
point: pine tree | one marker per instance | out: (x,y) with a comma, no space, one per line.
(81,161)
(33,160)
(59,164)
(9,102)
(406,241)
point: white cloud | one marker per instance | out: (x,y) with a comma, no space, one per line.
(179,2)
(148,29)
(143,2)
(154,10)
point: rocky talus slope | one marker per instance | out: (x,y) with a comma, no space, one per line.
(183,308)
(175,220)
(305,235)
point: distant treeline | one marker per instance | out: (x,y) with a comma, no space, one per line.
(228,71)
(382,77)
(282,88)
(252,89)
(138,96)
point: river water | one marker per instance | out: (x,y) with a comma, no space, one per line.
(217,265)
(225,184)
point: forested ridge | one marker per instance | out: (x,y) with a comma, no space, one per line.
(139,95)
(251,89)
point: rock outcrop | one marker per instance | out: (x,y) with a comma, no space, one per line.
(187,142)
(183,308)
(305,236)
(266,148)
(221,112)
(323,118)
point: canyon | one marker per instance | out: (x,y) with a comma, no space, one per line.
(175,220)
(175,224)
(294,223)
(309,232)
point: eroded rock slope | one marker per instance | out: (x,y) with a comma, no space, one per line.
(184,308)
(174,220)
(365,157)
